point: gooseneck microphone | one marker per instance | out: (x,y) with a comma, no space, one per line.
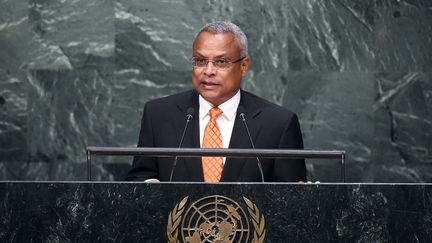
(189,117)
(242,116)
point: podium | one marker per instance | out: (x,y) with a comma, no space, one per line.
(178,212)
(220,212)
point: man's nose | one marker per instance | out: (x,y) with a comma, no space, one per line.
(210,69)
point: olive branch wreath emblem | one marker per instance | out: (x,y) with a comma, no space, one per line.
(175,217)
(174,220)
(258,221)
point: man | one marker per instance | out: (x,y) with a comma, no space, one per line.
(220,61)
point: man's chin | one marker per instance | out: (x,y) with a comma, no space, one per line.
(211,97)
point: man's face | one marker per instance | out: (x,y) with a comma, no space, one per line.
(214,84)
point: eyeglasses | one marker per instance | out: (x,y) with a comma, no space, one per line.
(199,62)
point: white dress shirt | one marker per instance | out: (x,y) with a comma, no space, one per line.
(224,121)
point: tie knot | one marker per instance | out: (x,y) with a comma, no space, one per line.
(215,112)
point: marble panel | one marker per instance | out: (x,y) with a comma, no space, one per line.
(68,110)
(72,34)
(13,116)
(14,48)
(14,34)
(335,113)
(154,36)
(403,125)
(331,35)
(404,35)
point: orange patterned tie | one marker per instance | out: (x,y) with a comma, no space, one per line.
(212,166)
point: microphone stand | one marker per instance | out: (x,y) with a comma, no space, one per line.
(243,118)
(189,117)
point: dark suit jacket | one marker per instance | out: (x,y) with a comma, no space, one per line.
(270,125)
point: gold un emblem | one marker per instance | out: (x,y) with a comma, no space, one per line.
(215,219)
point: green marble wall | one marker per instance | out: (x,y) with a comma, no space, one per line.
(77,73)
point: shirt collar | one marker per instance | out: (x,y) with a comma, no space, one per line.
(229,107)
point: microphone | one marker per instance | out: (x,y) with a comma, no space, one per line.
(242,116)
(189,117)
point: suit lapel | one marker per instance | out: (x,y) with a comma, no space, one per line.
(239,139)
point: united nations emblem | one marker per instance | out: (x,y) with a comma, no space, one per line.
(215,219)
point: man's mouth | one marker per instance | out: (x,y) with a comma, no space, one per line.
(208,84)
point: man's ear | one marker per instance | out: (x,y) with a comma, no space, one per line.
(245,66)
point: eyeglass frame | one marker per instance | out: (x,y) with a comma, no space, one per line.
(229,63)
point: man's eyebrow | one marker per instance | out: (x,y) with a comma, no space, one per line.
(222,56)
(199,55)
